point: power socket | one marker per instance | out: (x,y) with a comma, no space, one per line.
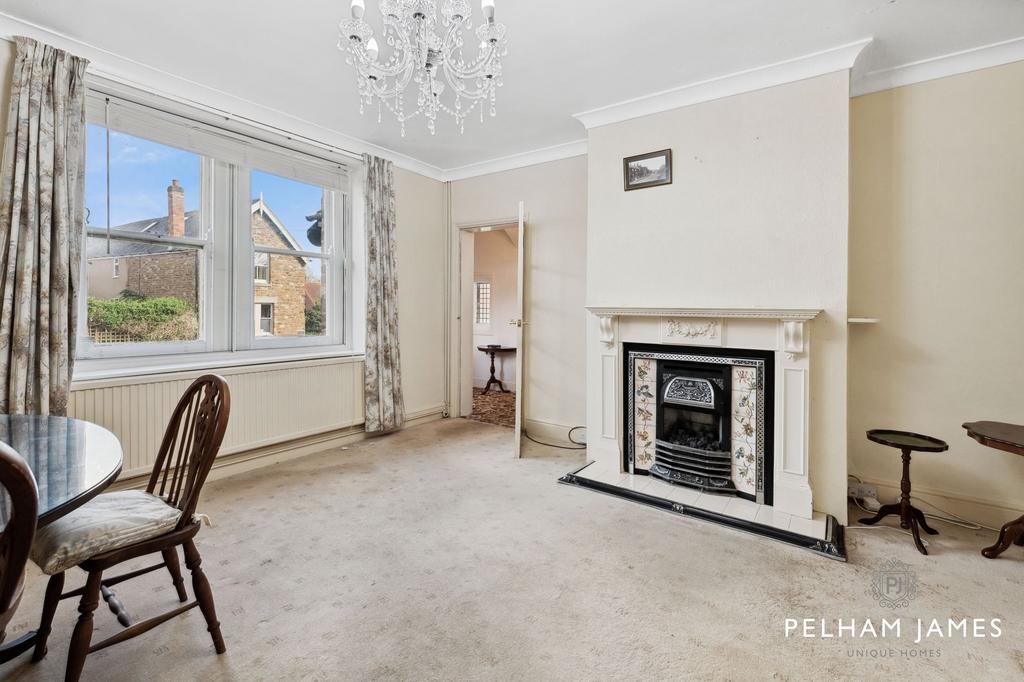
(871,504)
(861,491)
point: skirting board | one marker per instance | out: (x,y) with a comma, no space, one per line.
(240,462)
(550,432)
(984,512)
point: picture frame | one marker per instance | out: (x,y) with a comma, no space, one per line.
(647,170)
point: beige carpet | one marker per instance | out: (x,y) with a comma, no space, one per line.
(431,554)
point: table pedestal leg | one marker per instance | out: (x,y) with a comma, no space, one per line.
(494,379)
(1010,533)
(910,516)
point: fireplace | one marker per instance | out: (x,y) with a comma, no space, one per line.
(693,430)
(700,417)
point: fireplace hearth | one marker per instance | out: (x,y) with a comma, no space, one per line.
(701,418)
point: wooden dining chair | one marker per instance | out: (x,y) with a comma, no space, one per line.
(121,526)
(15,541)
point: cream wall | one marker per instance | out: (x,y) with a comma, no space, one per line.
(757,215)
(420,217)
(494,261)
(555,195)
(936,245)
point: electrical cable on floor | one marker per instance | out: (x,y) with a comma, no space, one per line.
(954,521)
(578,445)
(960,521)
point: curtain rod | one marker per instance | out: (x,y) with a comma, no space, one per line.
(115,94)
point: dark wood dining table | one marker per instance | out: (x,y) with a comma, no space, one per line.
(72,460)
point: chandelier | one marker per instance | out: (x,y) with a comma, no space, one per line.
(428,52)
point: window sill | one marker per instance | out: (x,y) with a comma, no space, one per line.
(93,372)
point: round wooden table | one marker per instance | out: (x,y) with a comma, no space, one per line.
(910,516)
(73,460)
(1010,438)
(492,351)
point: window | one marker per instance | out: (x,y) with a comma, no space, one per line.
(188,205)
(261,273)
(264,319)
(287,234)
(152,235)
(483,303)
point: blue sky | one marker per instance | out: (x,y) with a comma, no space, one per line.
(140,172)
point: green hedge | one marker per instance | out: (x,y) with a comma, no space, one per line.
(117,313)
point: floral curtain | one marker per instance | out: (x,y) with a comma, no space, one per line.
(384,408)
(41,217)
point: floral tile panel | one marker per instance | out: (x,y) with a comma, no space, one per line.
(744,429)
(644,412)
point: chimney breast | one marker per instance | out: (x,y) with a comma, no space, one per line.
(175,210)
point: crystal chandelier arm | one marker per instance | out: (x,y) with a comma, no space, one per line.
(401,58)
(456,66)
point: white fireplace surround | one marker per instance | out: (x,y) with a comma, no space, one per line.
(785,331)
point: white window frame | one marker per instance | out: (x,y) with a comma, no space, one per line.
(332,250)
(115,269)
(483,327)
(226,294)
(262,281)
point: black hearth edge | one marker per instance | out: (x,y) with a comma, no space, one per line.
(832,547)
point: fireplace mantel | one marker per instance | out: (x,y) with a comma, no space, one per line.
(785,314)
(708,320)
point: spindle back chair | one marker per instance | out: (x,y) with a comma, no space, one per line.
(190,445)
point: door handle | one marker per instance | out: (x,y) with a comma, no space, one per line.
(516,323)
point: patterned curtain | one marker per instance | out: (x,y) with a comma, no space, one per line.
(41,217)
(384,408)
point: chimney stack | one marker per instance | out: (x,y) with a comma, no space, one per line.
(175,210)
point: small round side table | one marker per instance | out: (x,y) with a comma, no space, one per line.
(910,516)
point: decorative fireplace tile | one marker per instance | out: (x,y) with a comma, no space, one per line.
(644,412)
(744,402)
(744,429)
(744,378)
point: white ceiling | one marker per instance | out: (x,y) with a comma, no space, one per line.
(566,56)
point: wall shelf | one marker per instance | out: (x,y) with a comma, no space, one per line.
(863,320)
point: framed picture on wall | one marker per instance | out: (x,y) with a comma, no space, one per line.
(647,170)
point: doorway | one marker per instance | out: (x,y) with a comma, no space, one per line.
(491,348)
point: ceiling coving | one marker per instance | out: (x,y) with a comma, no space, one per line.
(418,52)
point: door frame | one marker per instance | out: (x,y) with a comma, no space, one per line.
(458,354)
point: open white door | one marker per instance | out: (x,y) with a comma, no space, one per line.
(518,321)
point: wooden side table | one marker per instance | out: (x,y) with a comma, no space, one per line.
(1008,437)
(910,516)
(492,351)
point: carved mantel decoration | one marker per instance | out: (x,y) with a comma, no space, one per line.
(705,324)
(706,329)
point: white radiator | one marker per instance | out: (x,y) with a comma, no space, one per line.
(269,404)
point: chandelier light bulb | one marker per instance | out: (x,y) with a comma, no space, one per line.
(358,8)
(488,8)
(372,49)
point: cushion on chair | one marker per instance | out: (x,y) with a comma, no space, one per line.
(105,523)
